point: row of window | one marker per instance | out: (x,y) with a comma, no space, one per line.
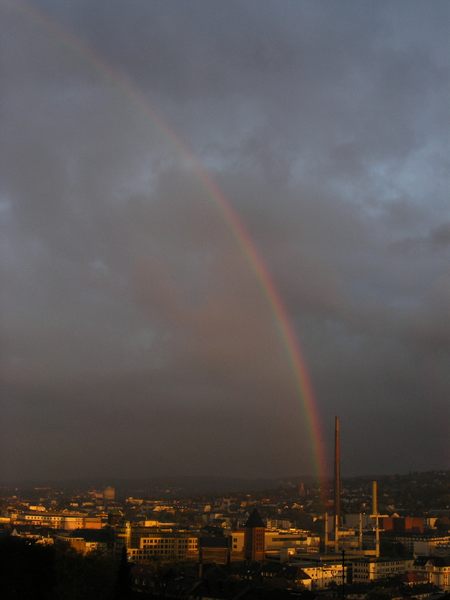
(148,553)
(181,543)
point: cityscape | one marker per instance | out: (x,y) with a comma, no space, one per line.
(386,538)
(225,300)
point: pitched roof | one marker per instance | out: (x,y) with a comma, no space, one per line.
(254,520)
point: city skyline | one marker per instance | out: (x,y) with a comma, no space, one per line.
(188,191)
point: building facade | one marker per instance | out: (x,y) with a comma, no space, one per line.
(163,546)
(254,537)
(366,570)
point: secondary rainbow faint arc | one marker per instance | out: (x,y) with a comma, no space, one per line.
(302,380)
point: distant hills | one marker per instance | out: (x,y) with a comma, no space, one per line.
(196,485)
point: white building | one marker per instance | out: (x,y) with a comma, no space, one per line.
(63,520)
(436,569)
(368,569)
(323,571)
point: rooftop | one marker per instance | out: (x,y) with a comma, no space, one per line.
(254,520)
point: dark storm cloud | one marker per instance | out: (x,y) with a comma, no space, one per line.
(128,309)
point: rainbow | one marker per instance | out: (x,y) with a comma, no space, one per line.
(303,385)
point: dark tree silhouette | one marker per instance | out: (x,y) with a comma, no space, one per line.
(123,583)
(27,570)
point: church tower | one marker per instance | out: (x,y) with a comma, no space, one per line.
(254,543)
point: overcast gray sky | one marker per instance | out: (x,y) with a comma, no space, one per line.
(135,337)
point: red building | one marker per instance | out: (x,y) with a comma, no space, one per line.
(402,524)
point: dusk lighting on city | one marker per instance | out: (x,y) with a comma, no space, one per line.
(225,299)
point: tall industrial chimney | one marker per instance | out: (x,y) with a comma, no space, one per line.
(360,533)
(375,515)
(337,480)
(325,542)
(374,498)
